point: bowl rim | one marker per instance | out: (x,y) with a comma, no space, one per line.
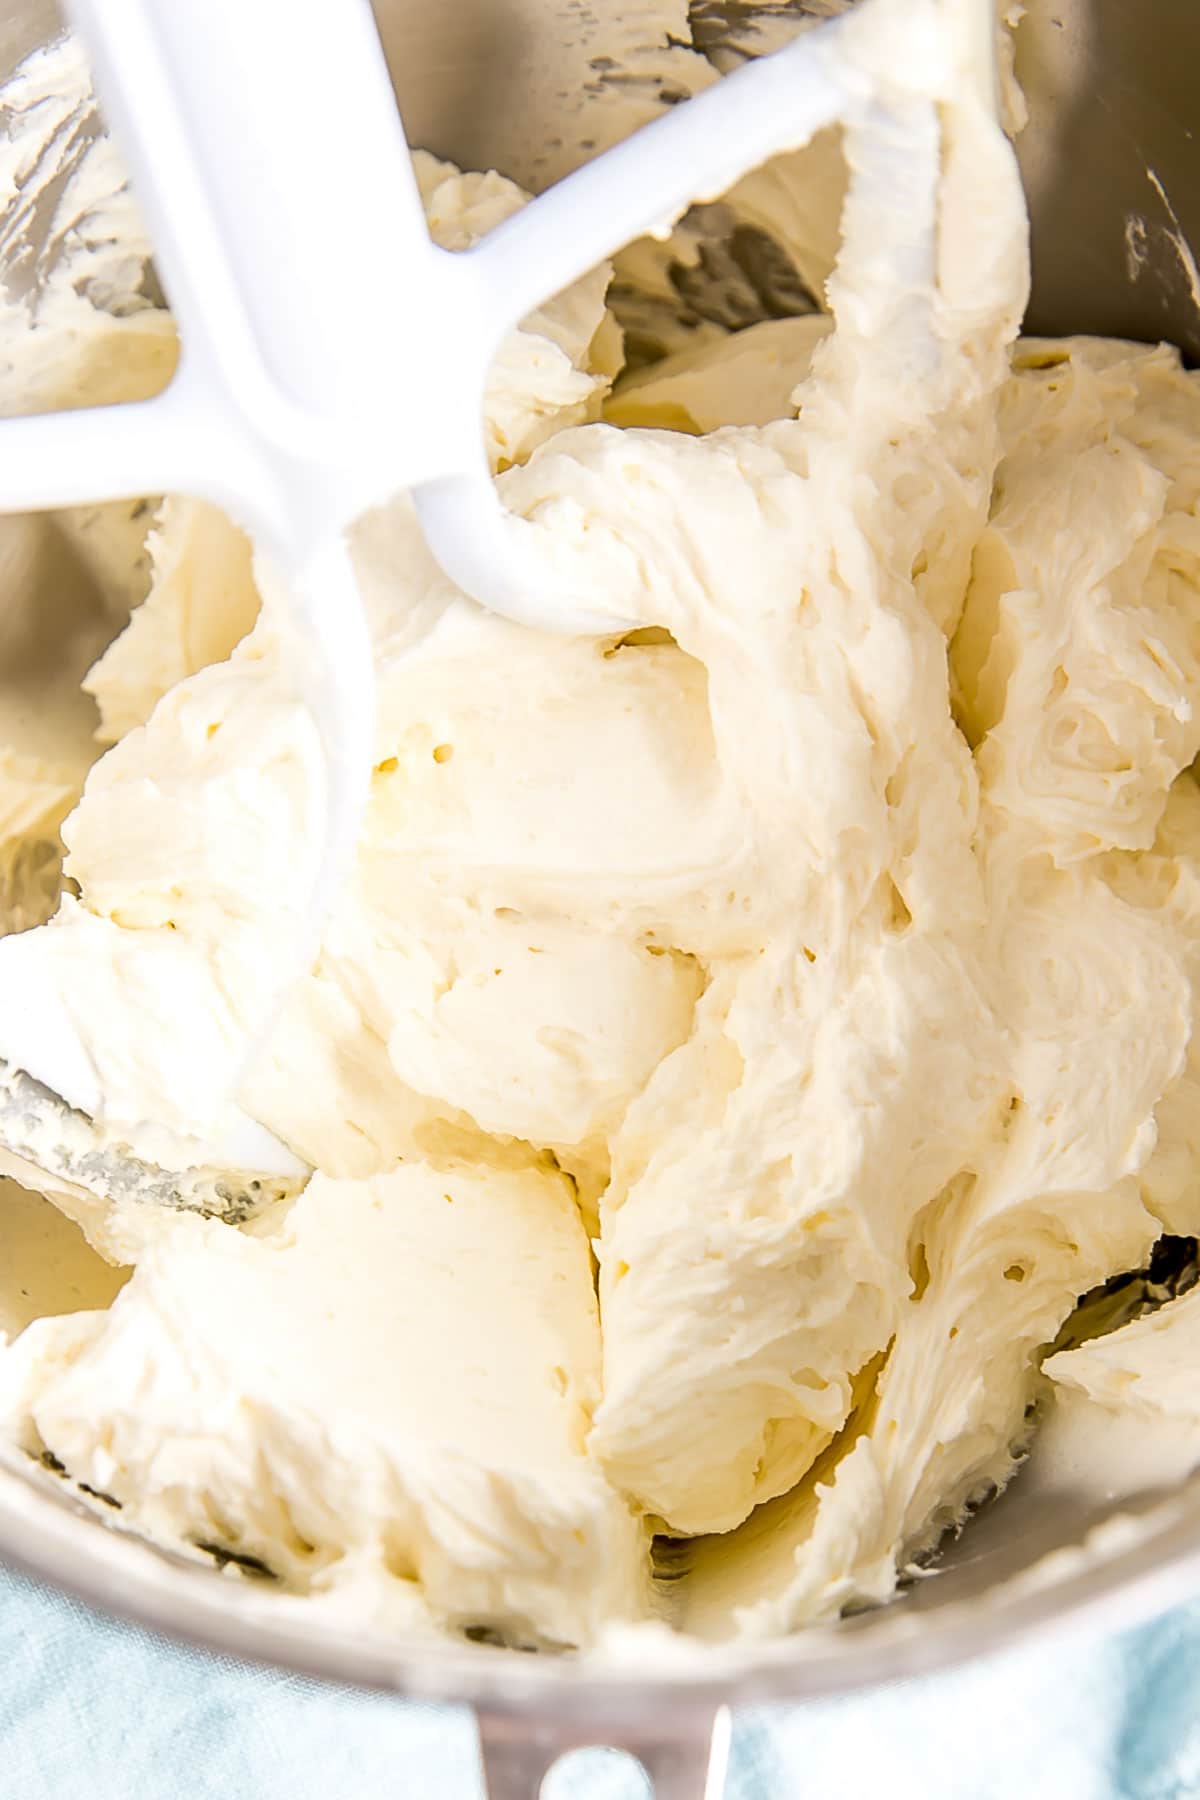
(1126,1571)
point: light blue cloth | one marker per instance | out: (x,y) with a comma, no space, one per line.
(96,1710)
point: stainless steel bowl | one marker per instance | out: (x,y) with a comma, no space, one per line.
(1112,164)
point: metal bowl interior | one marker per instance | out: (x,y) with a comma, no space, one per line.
(489,83)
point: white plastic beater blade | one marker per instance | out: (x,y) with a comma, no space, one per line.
(304,396)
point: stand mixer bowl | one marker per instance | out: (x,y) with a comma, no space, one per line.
(1112,172)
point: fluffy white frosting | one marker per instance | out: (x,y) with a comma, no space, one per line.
(386,1389)
(825,949)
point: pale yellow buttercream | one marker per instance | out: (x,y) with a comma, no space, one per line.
(825,949)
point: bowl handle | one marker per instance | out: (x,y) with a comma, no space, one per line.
(685,1751)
